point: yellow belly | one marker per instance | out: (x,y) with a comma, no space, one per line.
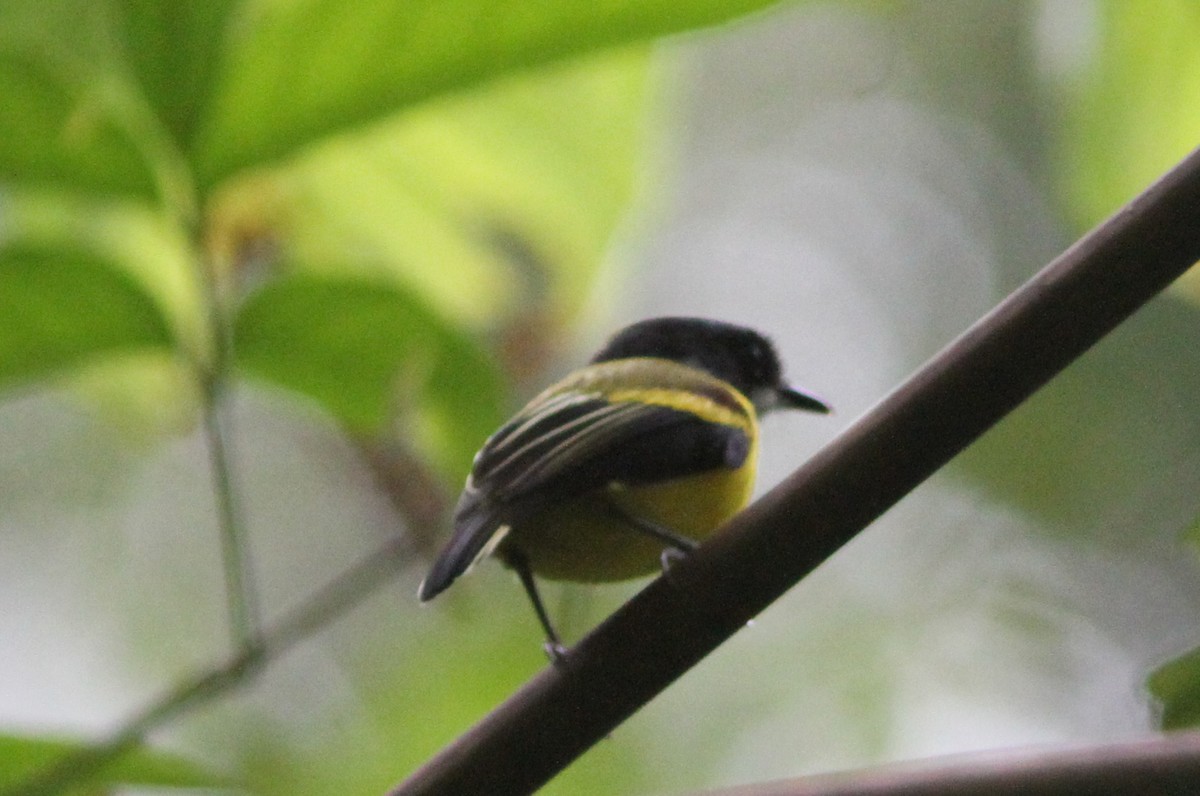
(582,540)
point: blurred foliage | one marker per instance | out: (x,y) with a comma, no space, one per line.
(307,71)
(372,353)
(1101,439)
(422,696)
(1134,111)
(474,202)
(484,199)
(48,299)
(361,191)
(1133,117)
(373,199)
(1176,686)
(22,757)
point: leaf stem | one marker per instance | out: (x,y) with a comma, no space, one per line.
(241,594)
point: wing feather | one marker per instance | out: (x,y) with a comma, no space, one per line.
(567,444)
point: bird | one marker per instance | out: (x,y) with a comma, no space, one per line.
(624,464)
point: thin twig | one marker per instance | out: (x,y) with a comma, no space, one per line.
(337,597)
(705,598)
(240,591)
(241,594)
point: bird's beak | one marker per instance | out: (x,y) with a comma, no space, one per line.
(788,397)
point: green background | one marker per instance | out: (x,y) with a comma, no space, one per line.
(377,227)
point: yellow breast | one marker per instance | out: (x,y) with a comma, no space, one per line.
(583,539)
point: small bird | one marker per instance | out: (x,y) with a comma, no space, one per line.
(625,463)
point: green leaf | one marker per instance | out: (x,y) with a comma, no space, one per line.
(1176,686)
(175,50)
(64,308)
(481,201)
(61,124)
(104,97)
(1137,111)
(369,353)
(300,72)
(23,757)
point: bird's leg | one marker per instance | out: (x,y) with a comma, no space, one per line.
(554,647)
(676,545)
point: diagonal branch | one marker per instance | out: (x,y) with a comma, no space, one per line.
(960,393)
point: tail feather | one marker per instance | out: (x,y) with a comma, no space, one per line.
(477,530)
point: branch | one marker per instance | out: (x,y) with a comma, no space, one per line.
(240,592)
(1164,764)
(765,550)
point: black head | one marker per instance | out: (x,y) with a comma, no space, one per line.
(735,354)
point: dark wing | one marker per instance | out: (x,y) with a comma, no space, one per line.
(569,444)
